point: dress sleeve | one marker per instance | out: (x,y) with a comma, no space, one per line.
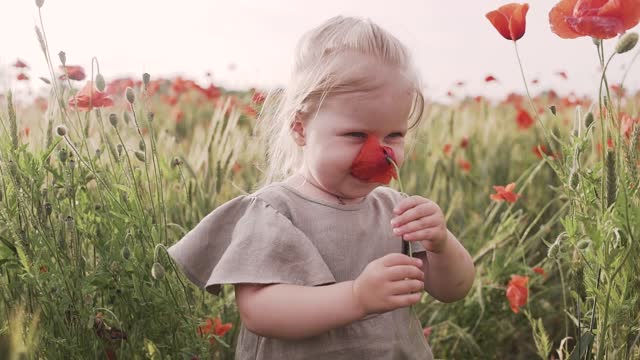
(246,240)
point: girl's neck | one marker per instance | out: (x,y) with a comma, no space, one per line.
(307,185)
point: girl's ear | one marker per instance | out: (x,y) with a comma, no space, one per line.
(297,130)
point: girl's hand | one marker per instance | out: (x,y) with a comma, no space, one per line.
(420,219)
(390,282)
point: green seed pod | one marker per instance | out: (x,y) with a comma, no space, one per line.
(157,271)
(61,130)
(553,109)
(63,155)
(627,42)
(574,179)
(612,185)
(72,164)
(69,222)
(119,148)
(39,3)
(126,253)
(100,84)
(131,97)
(596,41)
(113,119)
(98,153)
(139,155)
(141,145)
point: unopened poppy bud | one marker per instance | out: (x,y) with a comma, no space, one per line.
(130,95)
(72,164)
(113,119)
(145,79)
(141,145)
(119,148)
(588,119)
(157,271)
(100,84)
(63,57)
(139,155)
(61,130)
(583,244)
(39,3)
(627,42)
(596,41)
(126,253)
(62,155)
(553,109)
(45,80)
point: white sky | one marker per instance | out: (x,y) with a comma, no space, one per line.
(450,40)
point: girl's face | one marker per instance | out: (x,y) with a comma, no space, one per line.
(332,138)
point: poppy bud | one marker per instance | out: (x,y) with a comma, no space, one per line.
(130,95)
(113,119)
(553,109)
(141,145)
(45,80)
(72,164)
(596,41)
(157,271)
(39,3)
(126,253)
(119,148)
(100,85)
(62,155)
(139,155)
(145,79)
(588,119)
(627,42)
(63,57)
(61,130)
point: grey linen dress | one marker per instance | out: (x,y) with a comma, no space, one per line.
(279,235)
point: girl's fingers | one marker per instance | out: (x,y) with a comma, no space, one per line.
(424,234)
(405,287)
(402,272)
(418,224)
(405,300)
(420,210)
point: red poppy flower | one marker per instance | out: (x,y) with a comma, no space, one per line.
(539,270)
(490,78)
(505,193)
(20,64)
(371,164)
(523,119)
(510,20)
(628,124)
(258,98)
(464,165)
(602,19)
(119,86)
(89,97)
(517,292)
(538,150)
(75,72)
(22,77)
(212,92)
(214,326)
(562,74)
(464,142)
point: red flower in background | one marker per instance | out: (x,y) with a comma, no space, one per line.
(89,97)
(371,164)
(446,149)
(464,165)
(517,292)
(464,142)
(20,64)
(602,19)
(539,270)
(214,327)
(74,72)
(523,119)
(258,97)
(510,20)
(628,124)
(22,77)
(505,193)
(118,86)
(490,78)
(538,150)
(562,74)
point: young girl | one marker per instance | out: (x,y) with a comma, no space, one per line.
(316,254)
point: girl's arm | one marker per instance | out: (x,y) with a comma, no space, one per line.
(295,312)
(449,274)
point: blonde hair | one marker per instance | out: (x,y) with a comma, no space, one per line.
(315,76)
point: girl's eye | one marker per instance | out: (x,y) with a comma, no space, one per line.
(357,134)
(396,135)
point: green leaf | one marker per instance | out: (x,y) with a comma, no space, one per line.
(581,349)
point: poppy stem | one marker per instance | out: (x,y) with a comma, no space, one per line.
(395,166)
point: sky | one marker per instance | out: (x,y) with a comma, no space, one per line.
(451,41)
